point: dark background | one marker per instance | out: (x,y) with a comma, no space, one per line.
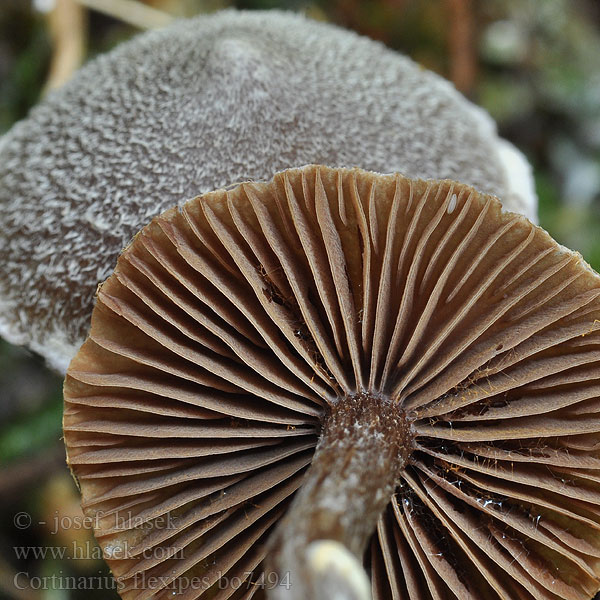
(534,65)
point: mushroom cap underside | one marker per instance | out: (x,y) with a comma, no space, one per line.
(230,325)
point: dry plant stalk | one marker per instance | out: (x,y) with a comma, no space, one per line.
(68,31)
(461,44)
(131,11)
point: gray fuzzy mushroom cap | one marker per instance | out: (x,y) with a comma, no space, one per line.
(200,105)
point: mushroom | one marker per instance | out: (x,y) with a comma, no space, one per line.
(199,105)
(285,381)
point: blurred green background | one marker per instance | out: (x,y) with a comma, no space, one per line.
(533,64)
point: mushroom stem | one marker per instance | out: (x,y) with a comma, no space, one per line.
(357,463)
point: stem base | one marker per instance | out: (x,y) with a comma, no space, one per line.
(358,461)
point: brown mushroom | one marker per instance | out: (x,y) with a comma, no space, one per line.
(285,379)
